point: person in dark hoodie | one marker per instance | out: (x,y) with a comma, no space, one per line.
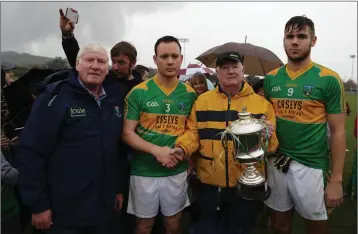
(123,56)
(72,170)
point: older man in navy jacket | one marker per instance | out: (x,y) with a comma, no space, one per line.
(72,167)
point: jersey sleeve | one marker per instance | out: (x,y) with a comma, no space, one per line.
(189,140)
(267,88)
(132,105)
(335,96)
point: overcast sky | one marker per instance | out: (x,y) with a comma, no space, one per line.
(33,27)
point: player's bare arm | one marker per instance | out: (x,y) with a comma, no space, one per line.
(162,154)
(334,192)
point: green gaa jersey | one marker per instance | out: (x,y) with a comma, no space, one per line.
(301,101)
(161,116)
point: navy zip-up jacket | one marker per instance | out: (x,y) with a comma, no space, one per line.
(70,154)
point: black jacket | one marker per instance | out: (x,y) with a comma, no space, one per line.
(71,49)
(70,156)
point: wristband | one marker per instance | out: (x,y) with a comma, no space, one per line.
(67,35)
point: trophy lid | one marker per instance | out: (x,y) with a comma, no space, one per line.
(246,124)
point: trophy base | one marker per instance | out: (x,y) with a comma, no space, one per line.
(258,192)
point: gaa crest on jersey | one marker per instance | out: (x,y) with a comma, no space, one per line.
(308,89)
(181,106)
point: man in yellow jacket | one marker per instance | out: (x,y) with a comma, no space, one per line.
(221,208)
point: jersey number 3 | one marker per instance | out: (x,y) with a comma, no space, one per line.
(290,92)
(168,108)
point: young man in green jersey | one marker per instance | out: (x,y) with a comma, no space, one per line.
(306,97)
(156,127)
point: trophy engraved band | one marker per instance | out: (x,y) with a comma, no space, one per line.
(249,152)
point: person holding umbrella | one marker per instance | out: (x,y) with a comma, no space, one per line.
(306,96)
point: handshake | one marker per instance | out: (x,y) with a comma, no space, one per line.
(168,157)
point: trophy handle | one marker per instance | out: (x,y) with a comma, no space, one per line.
(264,145)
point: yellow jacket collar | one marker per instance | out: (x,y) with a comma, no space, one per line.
(246,90)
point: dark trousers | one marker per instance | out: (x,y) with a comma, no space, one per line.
(11,225)
(236,215)
(78,230)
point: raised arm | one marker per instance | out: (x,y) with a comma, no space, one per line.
(69,42)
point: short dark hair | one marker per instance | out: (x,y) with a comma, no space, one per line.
(166,39)
(141,69)
(126,48)
(256,86)
(300,22)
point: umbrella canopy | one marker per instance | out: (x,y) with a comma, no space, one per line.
(194,68)
(184,77)
(258,61)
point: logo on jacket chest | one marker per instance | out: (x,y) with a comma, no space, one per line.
(117,112)
(77,112)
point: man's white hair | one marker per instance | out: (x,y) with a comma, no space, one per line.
(92,47)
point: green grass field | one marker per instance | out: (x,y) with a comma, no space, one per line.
(343,220)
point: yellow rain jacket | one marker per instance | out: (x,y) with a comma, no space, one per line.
(212,112)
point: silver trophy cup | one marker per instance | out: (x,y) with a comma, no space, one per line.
(252,183)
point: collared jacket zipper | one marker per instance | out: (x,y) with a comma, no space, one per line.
(226,150)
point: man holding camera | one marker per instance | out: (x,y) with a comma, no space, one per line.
(123,56)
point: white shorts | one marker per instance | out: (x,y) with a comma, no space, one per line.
(147,194)
(302,187)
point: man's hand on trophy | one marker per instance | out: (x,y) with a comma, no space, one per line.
(66,25)
(164,156)
(267,132)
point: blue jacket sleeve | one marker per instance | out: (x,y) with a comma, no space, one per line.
(37,141)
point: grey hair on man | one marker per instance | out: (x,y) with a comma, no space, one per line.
(92,47)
